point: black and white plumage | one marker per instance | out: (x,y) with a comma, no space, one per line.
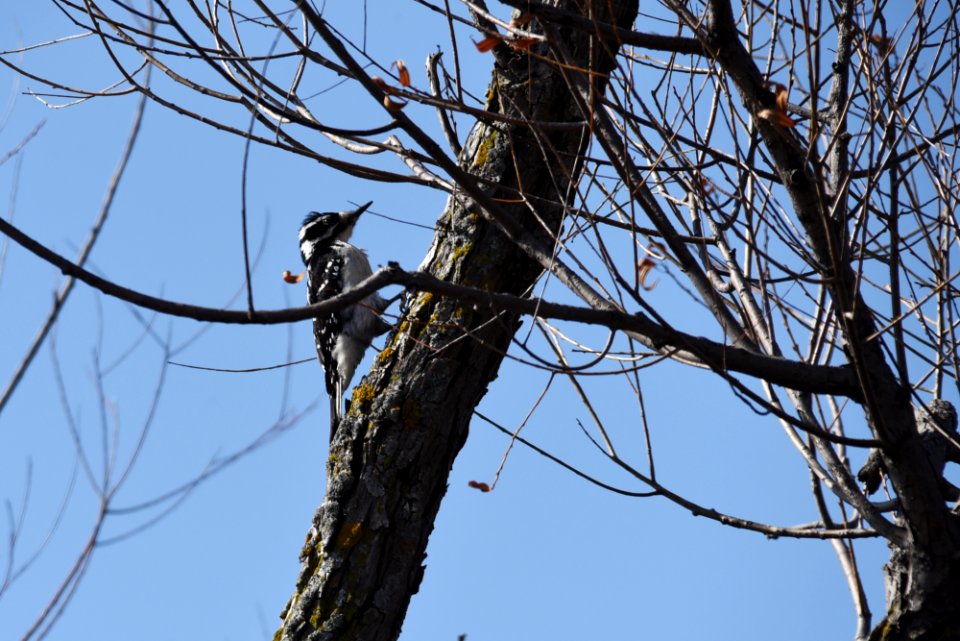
(335,266)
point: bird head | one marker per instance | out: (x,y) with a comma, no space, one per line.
(321,229)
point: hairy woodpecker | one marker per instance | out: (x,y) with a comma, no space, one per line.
(335,266)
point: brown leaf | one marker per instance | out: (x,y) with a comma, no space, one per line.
(402,73)
(706,185)
(777,117)
(293,279)
(881,43)
(383,86)
(778,113)
(522,44)
(388,102)
(479,485)
(643,271)
(488,43)
(781,95)
(393,105)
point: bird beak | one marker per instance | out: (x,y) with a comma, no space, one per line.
(359,210)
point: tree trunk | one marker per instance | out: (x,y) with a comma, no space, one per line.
(923,598)
(389,463)
(923,580)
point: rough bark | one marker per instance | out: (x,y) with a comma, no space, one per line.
(923,586)
(390,460)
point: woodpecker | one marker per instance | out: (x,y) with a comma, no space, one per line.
(335,266)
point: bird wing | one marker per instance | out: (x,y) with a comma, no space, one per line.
(323,277)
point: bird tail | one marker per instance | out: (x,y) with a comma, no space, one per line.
(336,409)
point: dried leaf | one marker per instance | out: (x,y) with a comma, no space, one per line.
(293,279)
(479,485)
(393,105)
(643,271)
(706,185)
(777,117)
(781,95)
(402,73)
(388,102)
(383,86)
(488,43)
(778,114)
(884,44)
(522,44)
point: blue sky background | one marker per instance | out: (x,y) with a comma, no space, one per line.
(546,555)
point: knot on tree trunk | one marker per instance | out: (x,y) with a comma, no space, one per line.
(937,426)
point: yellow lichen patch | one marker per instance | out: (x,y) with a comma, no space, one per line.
(460,251)
(278,634)
(315,618)
(362,395)
(384,355)
(483,150)
(349,534)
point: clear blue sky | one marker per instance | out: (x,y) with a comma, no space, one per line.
(545,556)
